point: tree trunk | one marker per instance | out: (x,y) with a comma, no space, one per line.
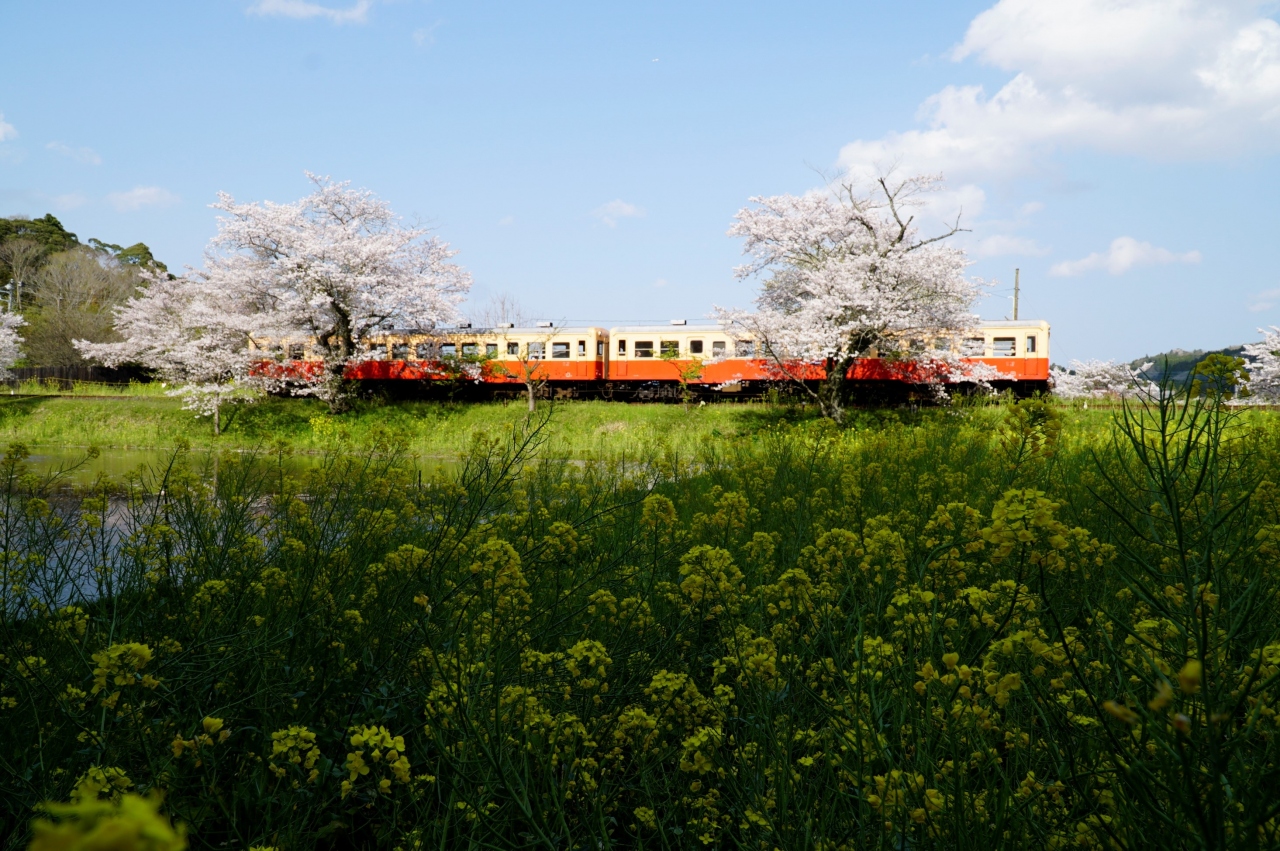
(530,391)
(831,390)
(339,389)
(217,420)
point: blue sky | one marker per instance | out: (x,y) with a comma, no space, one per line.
(587,158)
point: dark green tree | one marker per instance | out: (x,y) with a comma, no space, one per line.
(137,254)
(48,233)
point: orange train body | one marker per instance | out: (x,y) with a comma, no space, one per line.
(706,357)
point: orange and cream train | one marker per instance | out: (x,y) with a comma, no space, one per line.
(649,361)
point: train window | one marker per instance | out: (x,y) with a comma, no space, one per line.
(695,347)
(622,347)
(469,350)
(400,351)
(513,349)
(670,348)
(582,348)
(1031,344)
(973,347)
(537,350)
(559,350)
(297,351)
(448,350)
(599,348)
(717,349)
(491,350)
(425,351)
(745,349)
(1004,347)
(378,349)
(644,348)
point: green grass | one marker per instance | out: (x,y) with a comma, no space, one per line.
(432,429)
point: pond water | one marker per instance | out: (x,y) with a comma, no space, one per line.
(78,470)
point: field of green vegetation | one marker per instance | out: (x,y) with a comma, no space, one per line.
(736,627)
(142,417)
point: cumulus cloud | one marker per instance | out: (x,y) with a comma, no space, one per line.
(616,209)
(303,10)
(1264,300)
(1124,254)
(1162,79)
(83,155)
(1168,78)
(7,130)
(141,196)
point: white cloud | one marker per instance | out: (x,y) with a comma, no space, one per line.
(141,196)
(302,10)
(1264,300)
(1157,78)
(1002,244)
(70,201)
(1124,254)
(506,221)
(7,130)
(426,36)
(660,283)
(616,209)
(84,155)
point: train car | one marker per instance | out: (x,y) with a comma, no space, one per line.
(1017,349)
(653,360)
(570,360)
(656,361)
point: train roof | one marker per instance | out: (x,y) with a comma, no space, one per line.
(551,329)
(1014,323)
(673,329)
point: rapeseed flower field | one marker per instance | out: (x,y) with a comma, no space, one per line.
(961,631)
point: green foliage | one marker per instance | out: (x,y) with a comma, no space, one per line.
(1220,376)
(971,630)
(137,254)
(47,231)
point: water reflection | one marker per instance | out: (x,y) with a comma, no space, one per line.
(77,470)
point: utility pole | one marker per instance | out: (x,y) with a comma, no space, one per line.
(1016,272)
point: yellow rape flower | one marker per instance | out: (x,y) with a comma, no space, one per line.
(1189,676)
(134,823)
(1120,711)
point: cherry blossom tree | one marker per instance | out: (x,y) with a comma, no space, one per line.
(1264,366)
(847,272)
(192,335)
(10,341)
(1099,379)
(336,269)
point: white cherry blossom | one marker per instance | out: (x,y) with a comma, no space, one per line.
(1264,366)
(846,273)
(10,341)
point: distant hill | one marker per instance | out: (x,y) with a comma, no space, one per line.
(1176,364)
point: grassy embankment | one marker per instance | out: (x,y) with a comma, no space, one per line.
(142,417)
(968,629)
